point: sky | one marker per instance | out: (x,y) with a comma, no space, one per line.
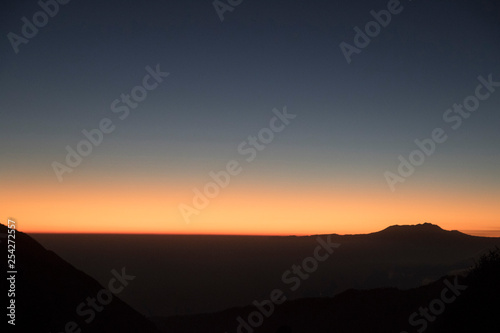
(328,129)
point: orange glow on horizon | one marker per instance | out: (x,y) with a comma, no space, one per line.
(151,207)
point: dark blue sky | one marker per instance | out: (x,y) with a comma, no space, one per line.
(353,120)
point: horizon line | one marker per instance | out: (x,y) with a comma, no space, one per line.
(474,233)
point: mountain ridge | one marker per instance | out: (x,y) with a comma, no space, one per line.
(404,229)
(224,271)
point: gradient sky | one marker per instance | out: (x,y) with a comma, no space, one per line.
(323,174)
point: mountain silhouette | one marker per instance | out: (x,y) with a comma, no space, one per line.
(422,228)
(358,289)
(203,274)
(49,290)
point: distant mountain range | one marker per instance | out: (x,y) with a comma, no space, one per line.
(398,253)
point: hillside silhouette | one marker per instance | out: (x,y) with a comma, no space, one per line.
(386,310)
(48,291)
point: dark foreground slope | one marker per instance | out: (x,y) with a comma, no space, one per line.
(48,291)
(472,305)
(478,309)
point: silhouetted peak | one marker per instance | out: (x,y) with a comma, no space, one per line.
(426,228)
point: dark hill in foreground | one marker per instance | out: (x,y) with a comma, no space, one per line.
(49,290)
(472,306)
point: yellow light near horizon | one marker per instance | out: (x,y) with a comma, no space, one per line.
(149,207)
